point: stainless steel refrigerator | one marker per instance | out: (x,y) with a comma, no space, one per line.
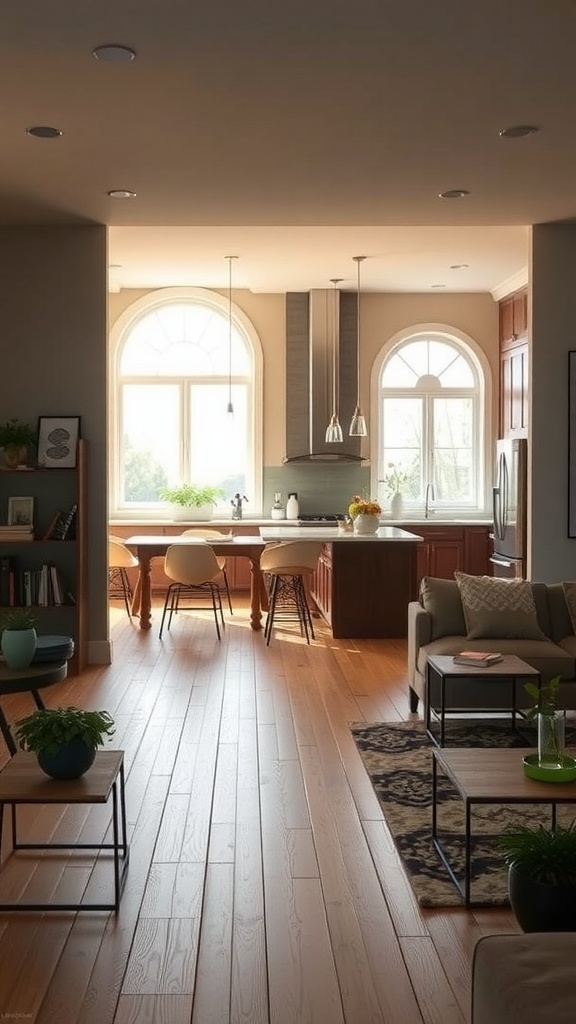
(509,504)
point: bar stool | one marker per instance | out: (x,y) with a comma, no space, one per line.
(287,565)
(120,558)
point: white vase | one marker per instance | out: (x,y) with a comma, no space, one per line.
(397,506)
(364,524)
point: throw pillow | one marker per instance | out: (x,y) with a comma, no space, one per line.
(569,589)
(502,609)
(441,598)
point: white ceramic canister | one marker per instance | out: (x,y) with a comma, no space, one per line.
(292,510)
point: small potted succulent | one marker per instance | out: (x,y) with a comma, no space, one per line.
(64,739)
(542,876)
(191,501)
(16,439)
(18,643)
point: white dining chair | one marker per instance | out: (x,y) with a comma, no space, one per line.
(286,566)
(193,569)
(208,535)
(120,558)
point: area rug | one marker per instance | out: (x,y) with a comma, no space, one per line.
(398,759)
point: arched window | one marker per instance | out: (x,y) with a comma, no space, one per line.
(431,396)
(175,365)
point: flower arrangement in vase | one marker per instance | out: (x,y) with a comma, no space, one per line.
(395,482)
(365,513)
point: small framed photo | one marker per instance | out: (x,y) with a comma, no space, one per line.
(20,511)
(58,441)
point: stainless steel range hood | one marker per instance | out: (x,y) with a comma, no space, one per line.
(309,333)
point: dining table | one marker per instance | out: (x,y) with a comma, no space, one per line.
(149,546)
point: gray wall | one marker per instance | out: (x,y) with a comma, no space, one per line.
(53,309)
(551,554)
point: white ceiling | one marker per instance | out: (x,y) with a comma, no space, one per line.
(294,135)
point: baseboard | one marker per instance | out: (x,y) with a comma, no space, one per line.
(99,652)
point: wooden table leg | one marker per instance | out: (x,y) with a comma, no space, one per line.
(256,586)
(142,594)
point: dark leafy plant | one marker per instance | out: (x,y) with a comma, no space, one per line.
(545,698)
(15,435)
(49,729)
(546,855)
(18,619)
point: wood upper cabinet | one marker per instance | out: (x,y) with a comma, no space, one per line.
(514,365)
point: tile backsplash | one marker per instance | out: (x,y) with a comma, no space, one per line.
(324,488)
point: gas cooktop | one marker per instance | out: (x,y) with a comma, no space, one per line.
(321,518)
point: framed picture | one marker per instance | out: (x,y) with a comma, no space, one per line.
(20,511)
(58,441)
(572,444)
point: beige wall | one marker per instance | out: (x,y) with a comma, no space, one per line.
(382,316)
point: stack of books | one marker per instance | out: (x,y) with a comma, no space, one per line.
(17,533)
(478,659)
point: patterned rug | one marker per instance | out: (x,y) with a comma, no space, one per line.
(398,759)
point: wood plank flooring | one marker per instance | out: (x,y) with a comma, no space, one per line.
(263,885)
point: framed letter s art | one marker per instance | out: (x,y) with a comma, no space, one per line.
(58,441)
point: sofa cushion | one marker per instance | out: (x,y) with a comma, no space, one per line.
(498,608)
(441,599)
(569,591)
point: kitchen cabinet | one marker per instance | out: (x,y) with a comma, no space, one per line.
(514,365)
(445,549)
(362,588)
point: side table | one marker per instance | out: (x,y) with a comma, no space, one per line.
(27,680)
(23,782)
(445,680)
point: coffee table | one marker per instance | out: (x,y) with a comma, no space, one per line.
(489,776)
(444,680)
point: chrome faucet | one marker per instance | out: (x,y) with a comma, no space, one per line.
(430,496)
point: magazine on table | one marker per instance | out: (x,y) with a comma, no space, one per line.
(479,659)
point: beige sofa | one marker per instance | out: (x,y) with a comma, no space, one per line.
(437,625)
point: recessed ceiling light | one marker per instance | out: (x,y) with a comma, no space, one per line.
(44,131)
(454,193)
(121,193)
(458,266)
(115,53)
(437,285)
(518,131)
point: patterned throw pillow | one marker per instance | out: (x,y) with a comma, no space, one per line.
(502,609)
(569,589)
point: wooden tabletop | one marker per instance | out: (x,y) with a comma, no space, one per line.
(497,773)
(22,781)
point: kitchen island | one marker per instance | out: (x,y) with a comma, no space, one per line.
(363,583)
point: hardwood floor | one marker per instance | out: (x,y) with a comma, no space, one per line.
(263,886)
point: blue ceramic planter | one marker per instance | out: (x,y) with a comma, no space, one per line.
(70,762)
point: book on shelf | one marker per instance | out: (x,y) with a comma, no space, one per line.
(17,533)
(479,659)
(63,525)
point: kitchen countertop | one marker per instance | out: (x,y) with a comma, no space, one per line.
(227,524)
(331,534)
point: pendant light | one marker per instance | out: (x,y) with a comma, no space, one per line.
(334,430)
(230,408)
(358,423)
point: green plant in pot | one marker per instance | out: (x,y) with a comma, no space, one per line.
(64,740)
(16,438)
(550,721)
(19,638)
(542,876)
(191,501)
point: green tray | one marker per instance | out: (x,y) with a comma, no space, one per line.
(567,773)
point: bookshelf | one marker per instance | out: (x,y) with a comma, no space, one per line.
(48,573)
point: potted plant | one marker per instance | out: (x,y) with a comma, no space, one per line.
(15,440)
(542,876)
(64,739)
(365,513)
(192,502)
(19,638)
